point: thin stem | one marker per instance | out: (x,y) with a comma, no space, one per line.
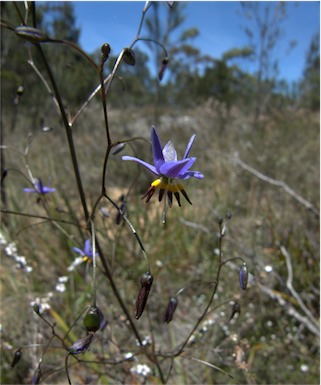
(32,64)
(117,294)
(49,219)
(66,367)
(205,312)
(68,133)
(133,231)
(89,99)
(93,238)
(19,13)
(151,41)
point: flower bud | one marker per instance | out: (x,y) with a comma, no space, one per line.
(16,358)
(36,308)
(20,90)
(236,309)
(162,68)
(146,282)
(243,276)
(129,57)
(81,345)
(121,211)
(171,307)
(93,319)
(34,35)
(118,148)
(105,50)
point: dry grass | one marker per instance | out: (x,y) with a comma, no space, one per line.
(266,344)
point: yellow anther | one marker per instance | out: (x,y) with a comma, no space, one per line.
(156,183)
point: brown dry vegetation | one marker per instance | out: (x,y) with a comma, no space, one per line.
(267,344)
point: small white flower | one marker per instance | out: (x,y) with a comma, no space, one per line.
(268,268)
(42,303)
(129,355)
(61,287)
(11,249)
(304,368)
(78,261)
(21,260)
(3,240)
(63,279)
(141,370)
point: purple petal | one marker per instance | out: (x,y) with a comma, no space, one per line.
(46,190)
(145,164)
(82,345)
(157,149)
(87,248)
(29,190)
(189,146)
(194,174)
(79,251)
(176,169)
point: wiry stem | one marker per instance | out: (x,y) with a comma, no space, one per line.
(180,348)
(68,132)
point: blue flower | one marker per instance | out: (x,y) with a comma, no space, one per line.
(39,188)
(82,345)
(168,169)
(86,253)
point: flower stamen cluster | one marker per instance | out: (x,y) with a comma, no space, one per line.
(168,169)
(168,185)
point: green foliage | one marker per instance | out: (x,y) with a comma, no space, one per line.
(311,80)
(59,21)
(74,76)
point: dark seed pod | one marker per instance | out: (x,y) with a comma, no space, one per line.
(31,34)
(93,319)
(171,307)
(236,309)
(146,282)
(105,50)
(16,358)
(81,345)
(162,68)
(36,308)
(243,276)
(129,57)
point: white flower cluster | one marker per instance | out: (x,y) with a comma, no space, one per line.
(12,252)
(60,286)
(42,303)
(141,370)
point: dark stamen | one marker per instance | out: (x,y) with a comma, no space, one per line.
(161,194)
(185,196)
(178,198)
(149,193)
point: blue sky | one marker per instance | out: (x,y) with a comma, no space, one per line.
(218,22)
